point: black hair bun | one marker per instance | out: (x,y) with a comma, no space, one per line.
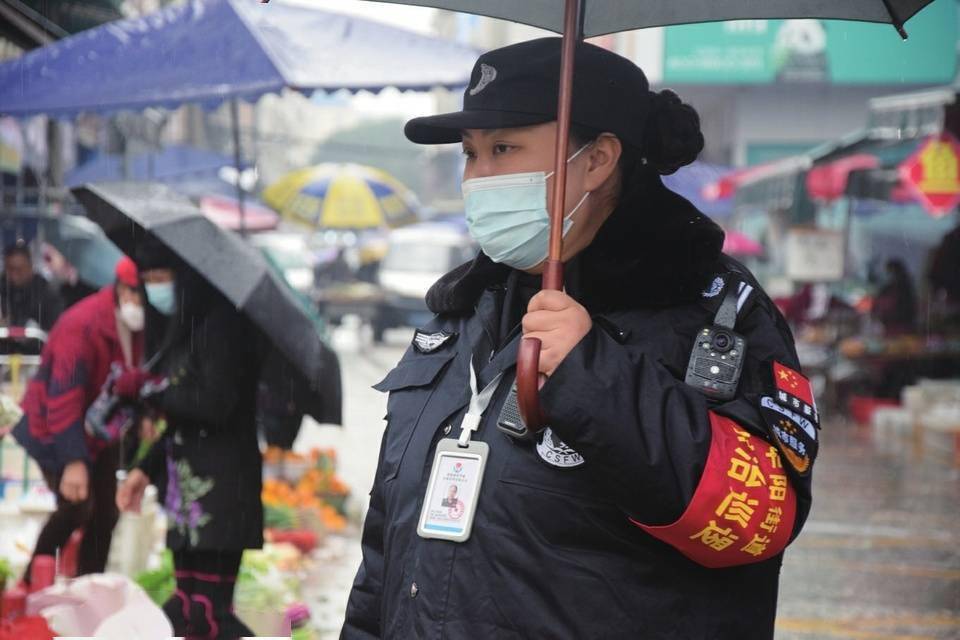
(672,138)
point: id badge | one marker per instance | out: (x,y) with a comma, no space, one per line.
(453,490)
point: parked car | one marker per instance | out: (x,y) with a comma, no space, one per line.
(291,254)
(417,256)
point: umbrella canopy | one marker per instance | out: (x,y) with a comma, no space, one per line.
(207,51)
(81,242)
(129,211)
(342,196)
(692,181)
(609,16)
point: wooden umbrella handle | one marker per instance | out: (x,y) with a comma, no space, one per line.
(528,358)
(529,378)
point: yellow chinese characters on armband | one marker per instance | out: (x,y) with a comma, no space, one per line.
(743,509)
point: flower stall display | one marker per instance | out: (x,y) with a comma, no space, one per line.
(303,498)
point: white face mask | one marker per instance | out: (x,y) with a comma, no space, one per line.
(132,316)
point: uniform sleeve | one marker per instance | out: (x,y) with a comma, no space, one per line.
(364,606)
(706,478)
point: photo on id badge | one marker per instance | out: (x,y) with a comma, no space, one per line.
(452,491)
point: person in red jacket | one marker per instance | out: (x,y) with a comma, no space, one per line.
(99,332)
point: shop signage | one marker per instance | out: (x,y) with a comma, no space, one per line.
(837,52)
(932,174)
(814,255)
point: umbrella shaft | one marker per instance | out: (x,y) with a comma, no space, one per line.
(572,34)
(238,161)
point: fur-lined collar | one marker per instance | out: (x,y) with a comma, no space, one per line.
(656,250)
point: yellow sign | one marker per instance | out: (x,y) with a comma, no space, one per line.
(932,174)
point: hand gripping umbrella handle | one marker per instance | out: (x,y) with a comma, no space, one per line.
(528,358)
(529,378)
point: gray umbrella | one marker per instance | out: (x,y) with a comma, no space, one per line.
(577,19)
(609,16)
(128,211)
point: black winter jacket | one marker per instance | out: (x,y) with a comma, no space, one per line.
(557,550)
(208,465)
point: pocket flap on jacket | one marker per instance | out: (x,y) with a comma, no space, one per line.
(415,371)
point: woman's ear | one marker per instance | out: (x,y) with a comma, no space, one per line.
(604,154)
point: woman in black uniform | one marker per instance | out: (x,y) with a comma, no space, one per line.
(659,500)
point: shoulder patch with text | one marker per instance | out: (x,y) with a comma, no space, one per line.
(792,418)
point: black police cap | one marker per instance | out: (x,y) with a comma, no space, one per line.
(516,86)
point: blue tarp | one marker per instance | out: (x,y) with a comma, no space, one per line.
(206,51)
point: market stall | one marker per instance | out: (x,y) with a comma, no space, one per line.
(838,223)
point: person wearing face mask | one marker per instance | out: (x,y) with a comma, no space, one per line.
(659,498)
(102,332)
(207,464)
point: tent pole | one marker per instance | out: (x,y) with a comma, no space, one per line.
(237,153)
(528,358)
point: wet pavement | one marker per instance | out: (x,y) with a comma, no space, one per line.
(879,558)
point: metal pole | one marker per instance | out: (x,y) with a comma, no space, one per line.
(237,154)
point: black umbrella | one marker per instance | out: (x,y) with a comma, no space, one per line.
(309,370)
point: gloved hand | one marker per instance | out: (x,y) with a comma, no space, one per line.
(130,382)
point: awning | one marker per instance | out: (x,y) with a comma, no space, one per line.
(867,171)
(828,182)
(859,166)
(770,182)
(208,51)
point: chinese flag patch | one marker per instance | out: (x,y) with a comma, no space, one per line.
(793,383)
(792,417)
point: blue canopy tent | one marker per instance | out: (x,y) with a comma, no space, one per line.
(208,51)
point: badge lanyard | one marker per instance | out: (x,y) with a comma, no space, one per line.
(478,406)
(457,473)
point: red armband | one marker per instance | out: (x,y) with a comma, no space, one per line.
(743,509)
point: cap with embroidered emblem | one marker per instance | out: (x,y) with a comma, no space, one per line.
(516,86)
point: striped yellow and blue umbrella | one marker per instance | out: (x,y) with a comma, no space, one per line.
(342,196)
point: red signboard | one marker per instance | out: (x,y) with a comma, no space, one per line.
(932,174)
